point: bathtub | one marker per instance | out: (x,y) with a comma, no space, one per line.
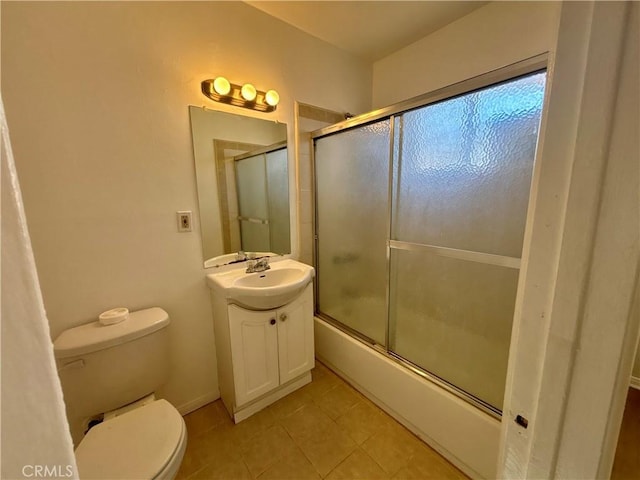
(466,436)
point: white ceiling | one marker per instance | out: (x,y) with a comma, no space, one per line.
(369,29)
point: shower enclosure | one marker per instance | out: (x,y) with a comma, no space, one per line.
(420,212)
(262,200)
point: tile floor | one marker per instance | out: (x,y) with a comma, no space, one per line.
(627,460)
(324,430)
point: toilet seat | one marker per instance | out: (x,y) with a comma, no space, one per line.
(144,443)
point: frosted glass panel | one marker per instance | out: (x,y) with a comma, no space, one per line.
(462,173)
(352,172)
(453,318)
(252,187)
(465,168)
(278,194)
(254,236)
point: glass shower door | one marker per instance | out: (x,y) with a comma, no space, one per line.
(278,201)
(262,187)
(253,203)
(460,200)
(352,197)
(420,222)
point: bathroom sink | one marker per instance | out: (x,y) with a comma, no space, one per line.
(282,277)
(275,287)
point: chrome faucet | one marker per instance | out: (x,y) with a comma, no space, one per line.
(259,265)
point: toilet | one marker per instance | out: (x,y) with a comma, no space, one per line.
(109,374)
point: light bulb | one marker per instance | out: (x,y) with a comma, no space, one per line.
(222,86)
(248,92)
(272,98)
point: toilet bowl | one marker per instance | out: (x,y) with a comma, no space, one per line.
(147,442)
(109,374)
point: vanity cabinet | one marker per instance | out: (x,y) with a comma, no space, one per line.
(263,354)
(270,348)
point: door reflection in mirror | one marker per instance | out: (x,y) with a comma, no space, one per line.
(261,223)
(242,182)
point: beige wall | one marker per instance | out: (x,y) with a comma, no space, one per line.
(96,97)
(491,37)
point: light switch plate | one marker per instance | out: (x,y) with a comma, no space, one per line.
(184,221)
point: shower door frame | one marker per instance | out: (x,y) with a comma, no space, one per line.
(528,66)
(274,147)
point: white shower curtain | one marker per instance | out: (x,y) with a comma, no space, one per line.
(35,434)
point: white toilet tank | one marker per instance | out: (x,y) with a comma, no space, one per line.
(104,367)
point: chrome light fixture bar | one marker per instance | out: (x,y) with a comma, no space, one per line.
(221,90)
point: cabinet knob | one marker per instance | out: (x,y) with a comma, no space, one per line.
(283,317)
(273,321)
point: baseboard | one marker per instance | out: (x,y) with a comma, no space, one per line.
(635,383)
(196,403)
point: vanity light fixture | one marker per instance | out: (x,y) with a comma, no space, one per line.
(221,86)
(221,90)
(272,98)
(248,92)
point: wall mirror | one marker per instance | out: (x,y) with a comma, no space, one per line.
(243,183)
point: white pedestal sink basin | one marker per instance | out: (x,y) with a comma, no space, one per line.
(275,287)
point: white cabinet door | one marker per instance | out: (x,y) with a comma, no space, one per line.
(254,352)
(295,337)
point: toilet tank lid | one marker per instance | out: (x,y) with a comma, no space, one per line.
(94,336)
